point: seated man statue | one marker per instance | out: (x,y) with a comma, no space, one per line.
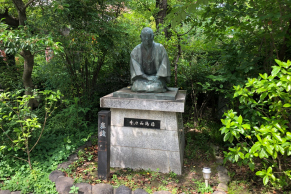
(149,65)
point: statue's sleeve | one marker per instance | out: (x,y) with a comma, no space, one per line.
(135,66)
(164,68)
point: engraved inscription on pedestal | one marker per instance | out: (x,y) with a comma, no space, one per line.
(142,123)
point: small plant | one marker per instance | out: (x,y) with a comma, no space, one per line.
(162,188)
(90,156)
(175,191)
(237,187)
(155,174)
(18,122)
(116,181)
(201,187)
(172,174)
(164,181)
(148,189)
(74,190)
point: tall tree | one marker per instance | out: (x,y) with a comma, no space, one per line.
(162,7)
(26,54)
(21,7)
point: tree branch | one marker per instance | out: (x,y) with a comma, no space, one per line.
(27,4)
(7,135)
(186,32)
(12,22)
(17,158)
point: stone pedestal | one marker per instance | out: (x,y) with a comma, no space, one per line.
(142,147)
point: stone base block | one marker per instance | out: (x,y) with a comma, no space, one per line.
(136,147)
(138,158)
(143,148)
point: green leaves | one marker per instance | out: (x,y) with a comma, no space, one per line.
(287,105)
(227,136)
(266,131)
(18,123)
(22,39)
(275,70)
(266,175)
(239,120)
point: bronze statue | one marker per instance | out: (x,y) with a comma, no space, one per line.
(149,65)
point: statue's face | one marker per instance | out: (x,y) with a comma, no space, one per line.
(147,39)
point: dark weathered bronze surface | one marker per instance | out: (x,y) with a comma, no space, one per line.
(149,65)
(127,93)
(104,119)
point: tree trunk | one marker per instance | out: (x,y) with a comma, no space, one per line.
(160,16)
(26,54)
(177,60)
(162,6)
(12,22)
(284,47)
(26,77)
(21,9)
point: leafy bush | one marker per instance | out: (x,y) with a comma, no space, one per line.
(18,123)
(262,131)
(10,77)
(52,149)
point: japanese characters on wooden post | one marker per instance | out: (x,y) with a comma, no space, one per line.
(104,119)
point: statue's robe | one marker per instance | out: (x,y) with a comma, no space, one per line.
(154,64)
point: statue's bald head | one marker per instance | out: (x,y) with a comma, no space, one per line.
(147,30)
(147,37)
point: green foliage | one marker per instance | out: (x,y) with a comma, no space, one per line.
(263,129)
(52,149)
(70,118)
(74,190)
(10,77)
(18,122)
(182,9)
(201,187)
(198,145)
(26,180)
(23,38)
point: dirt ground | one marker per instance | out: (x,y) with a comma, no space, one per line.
(243,181)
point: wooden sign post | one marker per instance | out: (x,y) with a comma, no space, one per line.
(104,119)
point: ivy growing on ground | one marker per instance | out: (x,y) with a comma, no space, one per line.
(262,131)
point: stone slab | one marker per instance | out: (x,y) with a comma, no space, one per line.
(84,188)
(63,184)
(5,191)
(176,105)
(219,192)
(138,158)
(145,138)
(123,190)
(127,93)
(64,165)
(140,191)
(54,175)
(102,189)
(222,187)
